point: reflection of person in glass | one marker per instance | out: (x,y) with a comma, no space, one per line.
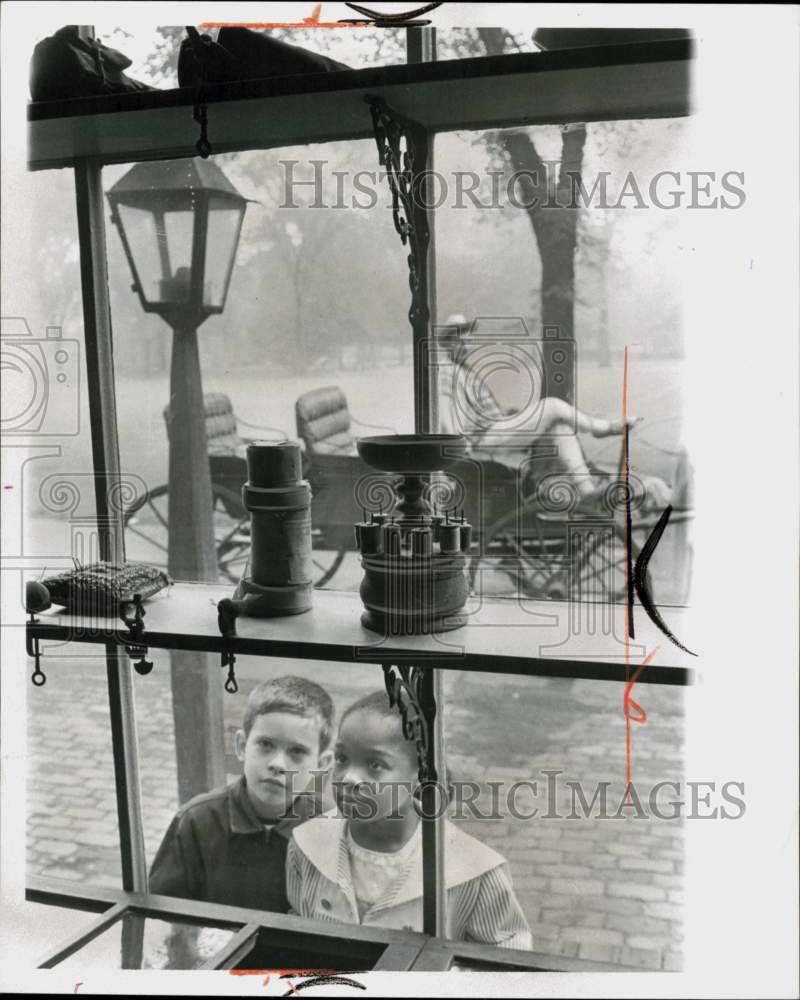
(229,845)
(549,417)
(364,865)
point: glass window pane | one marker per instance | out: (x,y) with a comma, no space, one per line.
(73,832)
(530,365)
(595,877)
(138,941)
(244,871)
(312,308)
(69,803)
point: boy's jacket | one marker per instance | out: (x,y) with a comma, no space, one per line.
(481,905)
(216,849)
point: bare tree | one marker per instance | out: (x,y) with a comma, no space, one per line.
(550,201)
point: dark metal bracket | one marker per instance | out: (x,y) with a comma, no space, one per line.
(410,690)
(403,149)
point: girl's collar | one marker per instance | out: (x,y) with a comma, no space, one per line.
(323,841)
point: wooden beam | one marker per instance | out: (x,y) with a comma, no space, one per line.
(578,85)
(501,637)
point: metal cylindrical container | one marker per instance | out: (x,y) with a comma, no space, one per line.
(450,537)
(279,502)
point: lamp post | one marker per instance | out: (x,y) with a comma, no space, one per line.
(179,222)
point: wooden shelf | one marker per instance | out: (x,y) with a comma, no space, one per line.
(501,636)
(643,80)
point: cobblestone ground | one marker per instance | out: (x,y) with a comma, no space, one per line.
(601,889)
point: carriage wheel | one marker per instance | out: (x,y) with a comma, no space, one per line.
(595,571)
(147,531)
(146,535)
(326,564)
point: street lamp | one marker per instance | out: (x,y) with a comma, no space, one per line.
(179,222)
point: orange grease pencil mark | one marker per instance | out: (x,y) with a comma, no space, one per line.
(640,716)
(628,702)
(307,22)
(281,972)
(627,574)
(626,475)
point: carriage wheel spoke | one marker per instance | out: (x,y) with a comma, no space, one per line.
(158,514)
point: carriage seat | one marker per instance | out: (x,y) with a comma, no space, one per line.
(222,434)
(324,423)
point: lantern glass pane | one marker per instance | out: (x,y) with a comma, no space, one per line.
(178,230)
(224,222)
(141,232)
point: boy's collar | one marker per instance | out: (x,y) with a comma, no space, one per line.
(243,818)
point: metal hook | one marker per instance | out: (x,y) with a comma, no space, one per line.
(141,666)
(32,648)
(231,685)
(136,650)
(227,613)
(37,677)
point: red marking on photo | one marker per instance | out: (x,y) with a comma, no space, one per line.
(281,972)
(307,22)
(638,715)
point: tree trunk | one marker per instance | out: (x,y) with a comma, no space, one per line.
(548,201)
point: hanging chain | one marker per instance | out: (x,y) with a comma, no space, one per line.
(231,685)
(201,55)
(203,146)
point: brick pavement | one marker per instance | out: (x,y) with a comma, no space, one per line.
(602,889)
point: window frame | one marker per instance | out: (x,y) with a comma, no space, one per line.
(95,136)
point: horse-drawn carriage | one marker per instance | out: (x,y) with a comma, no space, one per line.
(533,535)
